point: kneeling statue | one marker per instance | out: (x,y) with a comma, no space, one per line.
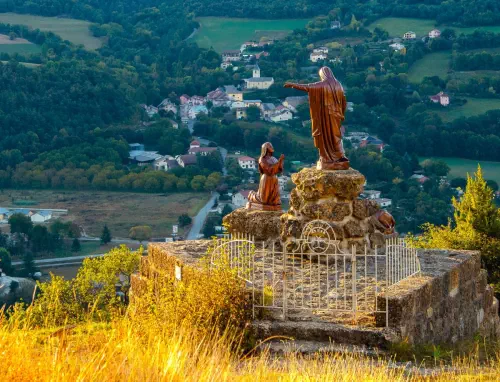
(268,196)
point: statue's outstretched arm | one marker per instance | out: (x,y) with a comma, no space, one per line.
(303,87)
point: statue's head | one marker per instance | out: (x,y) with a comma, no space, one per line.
(325,73)
(267,148)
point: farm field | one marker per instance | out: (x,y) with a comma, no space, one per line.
(18,45)
(75,31)
(474,106)
(434,64)
(397,26)
(223,33)
(460,167)
(120,210)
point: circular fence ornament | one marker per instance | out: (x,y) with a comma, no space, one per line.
(319,236)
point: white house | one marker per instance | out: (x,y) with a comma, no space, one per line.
(398,47)
(435,33)
(410,36)
(204,151)
(267,109)
(233,93)
(335,25)
(225,65)
(315,57)
(238,105)
(166,105)
(441,98)
(150,110)
(262,83)
(283,181)
(41,216)
(372,194)
(194,143)
(195,110)
(292,103)
(252,102)
(281,114)
(247,163)
(321,49)
(383,202)
(240,199)
(241,113)
(231,55)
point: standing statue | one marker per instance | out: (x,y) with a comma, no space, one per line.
(268,196)
(327,107)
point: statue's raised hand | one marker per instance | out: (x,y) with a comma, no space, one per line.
(288,85)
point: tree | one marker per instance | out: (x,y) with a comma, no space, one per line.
(106,235)
(140,233)
(253,113)
(5,262)
(458,182)
(20,223)
(209,229)
(184,220)
(76,247)
(29,264)
(226,210)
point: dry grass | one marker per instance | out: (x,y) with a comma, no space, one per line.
(120,210)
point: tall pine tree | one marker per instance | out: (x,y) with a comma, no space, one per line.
(105,235)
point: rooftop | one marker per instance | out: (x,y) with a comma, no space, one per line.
(260,79)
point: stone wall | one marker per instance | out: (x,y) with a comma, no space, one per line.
(451,300)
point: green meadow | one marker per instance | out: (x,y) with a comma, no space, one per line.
(397,26)
(224,33)
(75,31)
(473,107)
(24,49)
(461,167)
(434,64)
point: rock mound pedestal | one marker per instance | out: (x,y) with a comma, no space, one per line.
(332,196)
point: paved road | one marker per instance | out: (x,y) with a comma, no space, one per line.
(59,260)
(200,218)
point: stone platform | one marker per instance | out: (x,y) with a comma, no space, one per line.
(263,225)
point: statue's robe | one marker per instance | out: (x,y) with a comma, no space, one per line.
(327,106)
(269,190)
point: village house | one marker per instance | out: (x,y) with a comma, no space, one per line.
(41,216)
(231,55)
(398,47)
(166,105)
(383,202)
(218,98)
(371,141)
(225,65)
(194,144)
(248,44)
(260,54)
(143,158)
(315,57)
(252,102)
(267,109)
(291,103)
(150,110)
(419,178)
(203,151)
(258,82)
(247,163)
(241,113)
(136,147)
(281,114)
(435,33)
(350,106)
(335,25)
(194,111)
(371,194)
(240,199)
(441,98)
(192,101)
(238,105)
(165,163)
(186,160)
(233,93)
(321,49)
(410,36)
(283,181)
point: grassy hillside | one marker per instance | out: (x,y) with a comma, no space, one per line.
(434,64)
(397,26)
(474,106)
(461,167)
(75,31)
(223,33)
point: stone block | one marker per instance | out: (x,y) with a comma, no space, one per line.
(363,209)
(295,200)
(263,225)
(313,184)
(377,240)
(328,210)
(290,226)
(353,229)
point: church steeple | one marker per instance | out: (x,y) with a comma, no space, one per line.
(256,71)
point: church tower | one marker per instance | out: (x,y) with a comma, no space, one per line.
(256,71)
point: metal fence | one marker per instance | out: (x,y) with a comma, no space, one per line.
(313,276)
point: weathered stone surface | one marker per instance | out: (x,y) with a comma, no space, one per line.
(290,227)
(377,239)
(263,225)
(295,200)
(353,229)
(313,184)
(13,289)
(364,208)
(328,210)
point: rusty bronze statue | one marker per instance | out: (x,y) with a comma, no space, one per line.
(268,196)
(327,107)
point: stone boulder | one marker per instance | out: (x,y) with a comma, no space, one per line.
(263,225)
(14,289)
(313,184)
